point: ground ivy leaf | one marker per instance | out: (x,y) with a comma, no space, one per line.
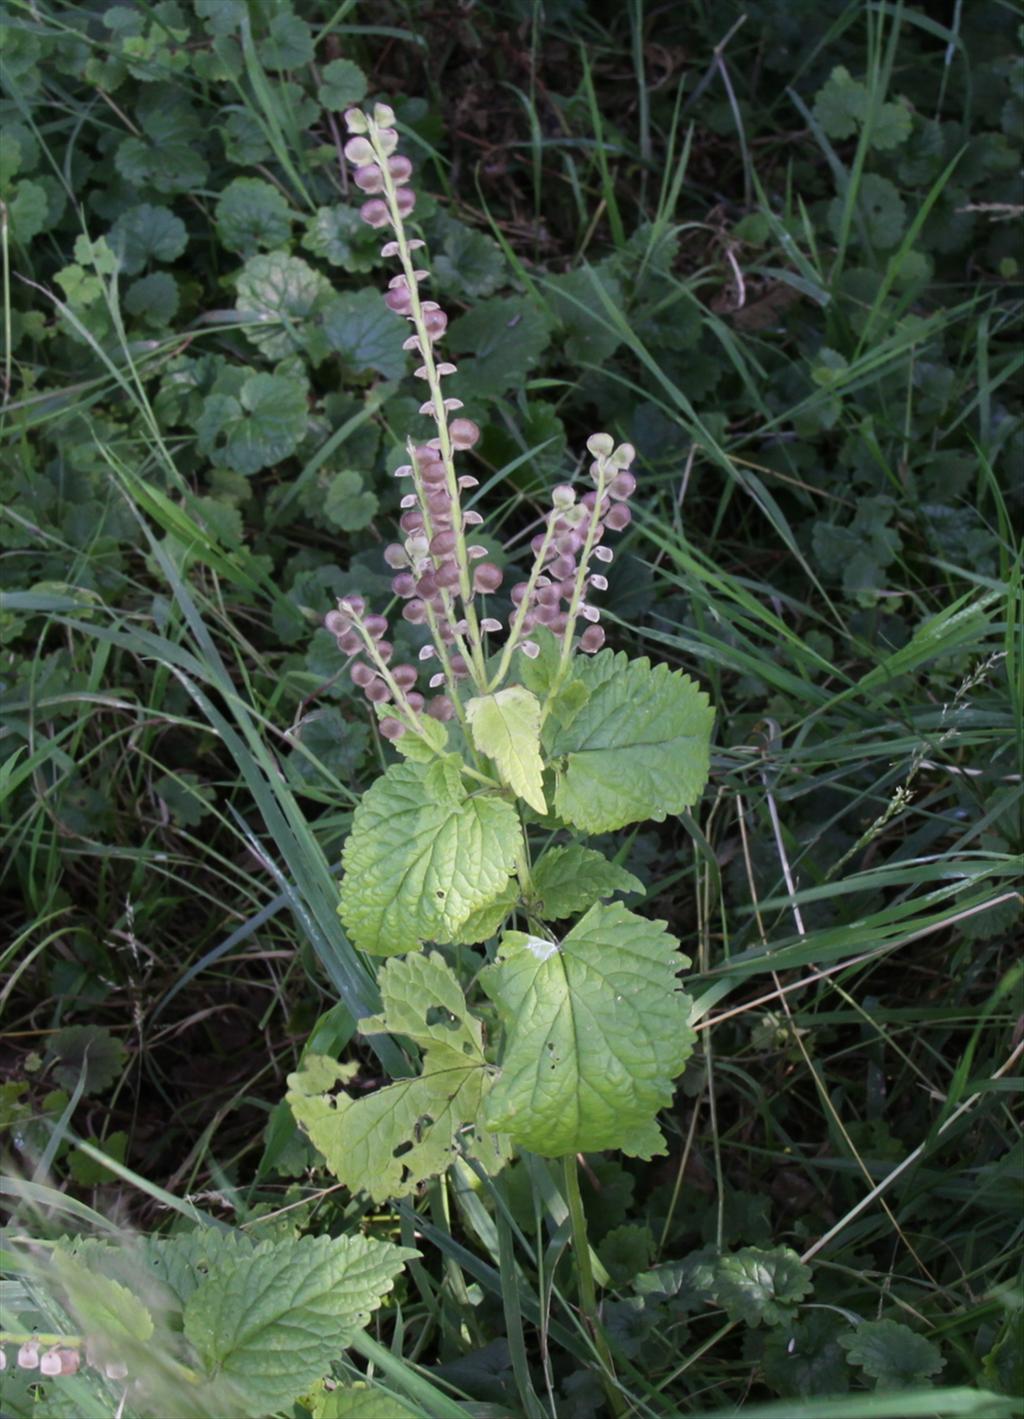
(895,1356)
(348,504)
(251,214)
(343,84)
(423,855)
(340,236)
(90,1046)
(806,1357)
(506,727)
(841,104)
(571,878)
(289,44)
(28,211)
(146,233)
(361,329)
(281,293)
(501,340)
(596,1031)
(638,748)
(388,1142)
(880,209)
(755,1285)
(271,1322)
(153,298)
(469,263)
(262,426)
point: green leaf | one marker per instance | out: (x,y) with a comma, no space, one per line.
(638,748)
(245,142)
(340,236)
(86,1171)
(343,84)
(469,263)
(282,293)
(28,211)
(262,426)
(805,1357)
(880,209)
(289,44)
(754,1285)
(271,1323)
(145,233)
(388,1142)
(596,1030)
(569,879)
(423,855)
(367,336)
(184,1261)
(589,334)
(348,504)
(891,127)
(251,214)
(361,1401)
(895,1356)
(505,337)
(91,1046)
(188,800)
(153,298)
(841,104)
(110,1314)
(169,157)
(506,727)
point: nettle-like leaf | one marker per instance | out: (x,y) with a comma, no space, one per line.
(506,727)
(596,1031)
(754,1285)
(360,1401)
(112,1317)
(270,1323)
(280,294)
(568,879)
(251,214)
(183,1262)
(146,233)
(895,1356)
(638,748)
(388,1142)
(423,855)
(262,426)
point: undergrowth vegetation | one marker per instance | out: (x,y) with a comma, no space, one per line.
(733,290)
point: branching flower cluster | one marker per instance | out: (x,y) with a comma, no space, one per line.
(442,575)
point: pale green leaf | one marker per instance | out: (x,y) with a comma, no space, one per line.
(880,208)
(895,1356)
(388,1142)
(423,855)
(841,104)
(289,43)
(280,294)
(569,879)
(103,1307)
(27,211)
(506,727)
(262,426)
(348,504)
(361,1401)
(638,748)
(272,1322)
(596,1031)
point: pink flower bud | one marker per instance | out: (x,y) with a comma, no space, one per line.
(337,622)
(569,544)
(530,649)
(116,1370)
(352,605)
(399,300)
(368,178)
(359,151)
(563,567)
(459,667)
(592,639)
(400,168)
(563,496)
(560,622)
(623,485)
(435,475)
(464,433)
(426,586)
(519,591)
(349,642)
(405,200)
(395,555)
(376,625)
(490,625)
(49,1364)
(487,577)
(589,613)
(414,700)
(392,728)
(472,518)
(28,1356)
(3,1358)
(70,1360)
(537,544)
(437,680)
(375,213)
(447,575)
(377,692)
(385,650)
(411,521)
(404,585)
(603,554)
(545,615)
(599,583)
(549,595)
(441,708)
(355,120)
(443,543)
(623,455)
(435,322)
(361,673)
(618,517)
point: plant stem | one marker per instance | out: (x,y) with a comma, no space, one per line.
(588,1291)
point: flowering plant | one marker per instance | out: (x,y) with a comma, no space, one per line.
(514,752)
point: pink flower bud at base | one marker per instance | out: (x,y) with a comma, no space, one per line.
(375,213)
(368,178)
(519,591)
(352,605)
(459,667)
(443,544)
(440,708)
(359,151)
(377,692)
(28,1356)
(361,673)
(376,626)
(415,612)
(400,168)
(435,322)
(448,575)
(618,517)
(404,585)
(392,728)
(337,622)
(405,200)
(464,433)
(70,1360)
(592,639)
(399,300)
(623,485)
(487,577)
(395,555)
(350,643)
(414,700)
(563,496)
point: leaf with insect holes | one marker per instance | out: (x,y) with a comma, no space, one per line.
(639,747)
(570,878)
(264,425)
(251,214)
(423,856)
(895,1356)
(754,1285)
(272,1322)
(505,727)
(596,1031)
(388,1142)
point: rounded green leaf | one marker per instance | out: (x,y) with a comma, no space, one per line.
(251,214)
(145,233)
